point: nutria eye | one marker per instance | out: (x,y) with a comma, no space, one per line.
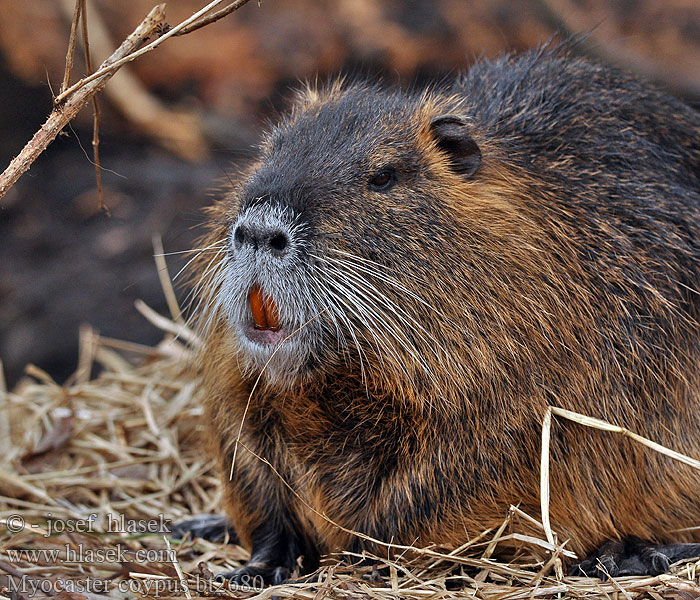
(383,180)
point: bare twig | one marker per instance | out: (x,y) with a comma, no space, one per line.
(605,426)
(69,102)
(544,475)
(62,115)
(178,130)
(219,14)
(165,280)
(177,329)
(95,112)
(96,153)
(106,68)
(86,41)
(70,55)
(545,493)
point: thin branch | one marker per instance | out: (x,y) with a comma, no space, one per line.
(178,130)
(219,14)
(62,115)
(178,330)
(605,426)
(545,491)
(165,280)
(95,112)
(147,48)
(71,45)
(96,153)
(544,475)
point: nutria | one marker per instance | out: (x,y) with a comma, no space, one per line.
(418,275)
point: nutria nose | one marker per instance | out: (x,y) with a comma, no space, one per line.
(272,239)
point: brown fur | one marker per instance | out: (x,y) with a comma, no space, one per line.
(535,300)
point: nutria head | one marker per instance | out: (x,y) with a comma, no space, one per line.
(389,239)
(339,237)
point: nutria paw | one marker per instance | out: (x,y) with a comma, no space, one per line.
(210,527)
(633,556)
(255,576)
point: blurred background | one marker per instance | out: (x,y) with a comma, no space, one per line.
(186,116)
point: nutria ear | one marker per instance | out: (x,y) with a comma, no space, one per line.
(452,136)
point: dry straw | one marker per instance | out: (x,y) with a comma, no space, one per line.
(127,444)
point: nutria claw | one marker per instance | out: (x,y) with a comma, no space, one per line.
(633,556)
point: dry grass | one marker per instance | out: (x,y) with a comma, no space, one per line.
(127,444)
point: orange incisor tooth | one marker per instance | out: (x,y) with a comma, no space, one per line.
(264,310)
(271,314)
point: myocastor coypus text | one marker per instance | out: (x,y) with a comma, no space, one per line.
(419,274)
